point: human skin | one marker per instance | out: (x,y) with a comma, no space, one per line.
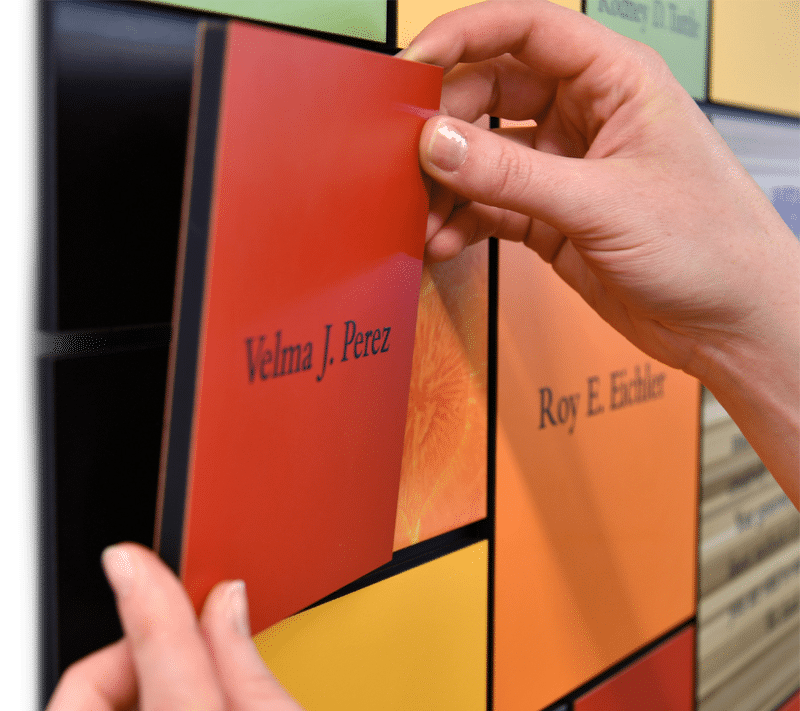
(625,188)
(168,659)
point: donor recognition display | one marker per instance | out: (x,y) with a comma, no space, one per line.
(298,282)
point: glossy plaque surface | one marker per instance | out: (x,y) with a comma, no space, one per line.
(662,680)
(414,641)
(754,55)
(677,30)
(443,481)
(365,19)
(597,455)
(300,275)
(414,15)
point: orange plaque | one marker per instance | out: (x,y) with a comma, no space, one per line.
(597,477)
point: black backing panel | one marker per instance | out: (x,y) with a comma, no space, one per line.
(120,84)
(105,442)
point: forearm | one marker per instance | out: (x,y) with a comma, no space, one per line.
(756,376)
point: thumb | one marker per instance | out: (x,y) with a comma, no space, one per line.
(496,171)
(245,679)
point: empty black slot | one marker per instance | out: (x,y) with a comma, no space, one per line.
(107,412)
(117,85)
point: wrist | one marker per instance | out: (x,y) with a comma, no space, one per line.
(755,376)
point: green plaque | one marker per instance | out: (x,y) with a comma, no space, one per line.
(365,19)
(676,29)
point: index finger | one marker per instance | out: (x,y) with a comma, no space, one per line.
(552,39)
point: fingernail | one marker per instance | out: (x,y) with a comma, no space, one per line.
(119,568)
(432,227)
(409,53)
(448,148)
(237,607)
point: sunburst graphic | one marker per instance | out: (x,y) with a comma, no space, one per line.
(443,481)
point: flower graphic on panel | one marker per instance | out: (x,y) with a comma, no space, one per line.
(443,480)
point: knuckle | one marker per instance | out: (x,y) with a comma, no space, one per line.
(652,56)
(650,63)
(511,176)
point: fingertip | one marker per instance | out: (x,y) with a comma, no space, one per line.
(134,571)
(443,246)
(238,607)
(121,567)
(435,222)
(443,145)
(226,606)
(483,167)
(239,666)
(415,52)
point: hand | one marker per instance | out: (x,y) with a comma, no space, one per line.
(165,660)
(627,190)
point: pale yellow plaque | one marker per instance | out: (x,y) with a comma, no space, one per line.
(413,641)
(755,54)
(414,15)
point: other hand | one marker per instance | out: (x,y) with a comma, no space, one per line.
(168,659)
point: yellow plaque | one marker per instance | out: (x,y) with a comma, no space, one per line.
(414,15)
(755,54)
(413,641)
